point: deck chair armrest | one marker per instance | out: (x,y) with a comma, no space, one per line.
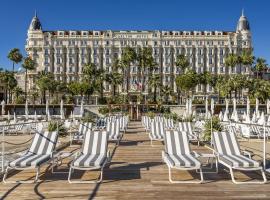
(163,153)
(108,154)
(196,154)
(247,153)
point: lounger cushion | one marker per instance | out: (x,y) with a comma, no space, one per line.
(87,160)
(238,161)
(182,160)
(30,160)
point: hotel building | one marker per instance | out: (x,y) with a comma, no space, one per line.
(65,52)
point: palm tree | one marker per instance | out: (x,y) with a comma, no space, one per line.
(17,91)
(9,82)
(182,63)
(44,81)
(95,77)
(115,79)
(247,59)
(231,60)
(28,64)
(260,66)
(15,56)
(154,82)
(129,56)
(187,82)
(166,92)
(145,61)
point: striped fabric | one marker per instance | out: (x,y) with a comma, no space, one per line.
(169,124)
(157,130)
(113,129)
(82,130)
(148,123)
(186,127)
(94,150)
(40,151)
(177,149)
(101,123)
(227,146)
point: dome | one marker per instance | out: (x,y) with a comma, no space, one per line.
(35,24)
(243,23)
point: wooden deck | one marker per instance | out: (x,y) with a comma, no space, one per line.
(136,172)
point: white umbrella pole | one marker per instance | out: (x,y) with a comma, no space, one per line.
(264,147)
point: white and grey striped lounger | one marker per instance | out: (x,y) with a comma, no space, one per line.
(79,136)
(186,127)
(169,124)
(40,152)
(113,130)
(229,155)
(94,155)
(177,154)
(157,131)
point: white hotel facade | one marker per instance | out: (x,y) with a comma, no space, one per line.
(65,52)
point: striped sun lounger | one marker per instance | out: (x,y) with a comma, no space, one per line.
(113,130)
(93,156)
(79,136)
(177,154)
(40,152)
(157,131)
(229,155)
(186,127)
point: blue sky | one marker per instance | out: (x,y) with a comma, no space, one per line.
(15,17)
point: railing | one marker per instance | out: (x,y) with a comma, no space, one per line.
(26,127)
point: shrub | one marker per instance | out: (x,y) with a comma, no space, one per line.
(151,115)
(103,110)
(52,126)
(216,126)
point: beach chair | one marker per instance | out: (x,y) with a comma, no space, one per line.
(229,154)
(177,154)
(186,127)
(79,136)
(93,155)
(113,130)
(157,131)
(169,124)
(40,152)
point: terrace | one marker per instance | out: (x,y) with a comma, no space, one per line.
(136,171)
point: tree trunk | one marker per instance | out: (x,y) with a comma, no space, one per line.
(155,94)
(25,84)
(128,77)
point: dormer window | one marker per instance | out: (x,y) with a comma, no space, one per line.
(96,33)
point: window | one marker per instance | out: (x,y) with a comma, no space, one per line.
(107,52)
(210,61)
(70,61)
(221,51)
(82,60)
(58,60)
(46,60)
(221,60)
(95,51)
(46,52)
(199,60)
(155,43)
(107,61)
